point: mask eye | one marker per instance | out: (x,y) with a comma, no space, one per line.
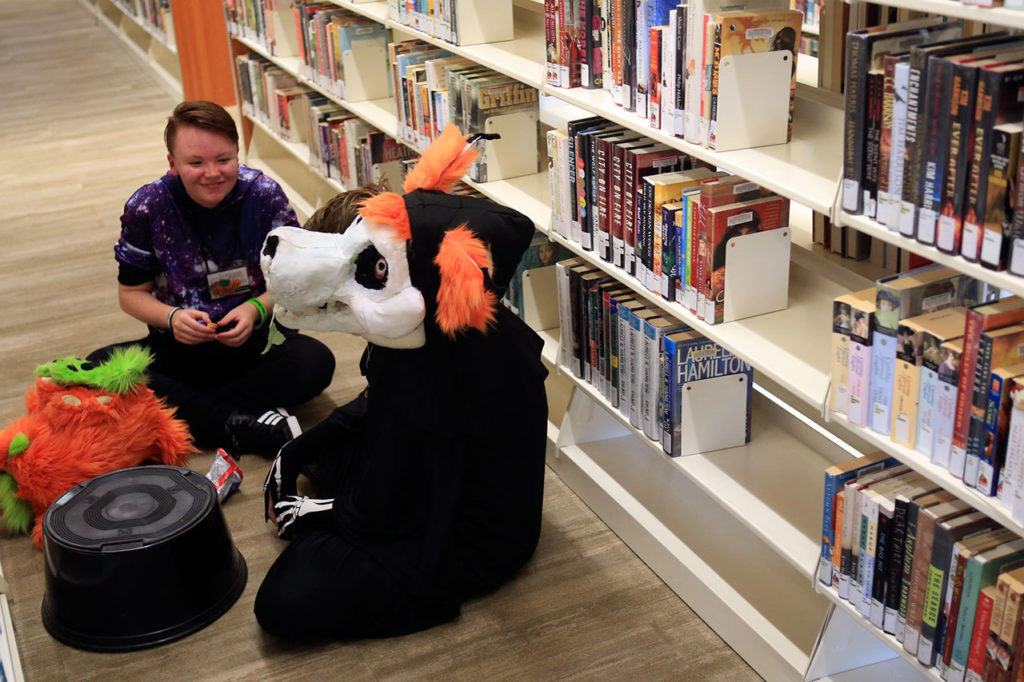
(371,268)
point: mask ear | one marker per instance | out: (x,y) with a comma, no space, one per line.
(463,301)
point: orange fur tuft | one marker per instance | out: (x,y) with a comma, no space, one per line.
(388,209)
(443,164)
(463,301)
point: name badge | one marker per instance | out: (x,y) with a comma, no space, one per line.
(228,282)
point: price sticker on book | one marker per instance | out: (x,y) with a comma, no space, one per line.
(969,243)
(946,236)
(902,434)
(1017,257)
(907,219)
(880,418)
(851,192)
(926,226)
(991,246)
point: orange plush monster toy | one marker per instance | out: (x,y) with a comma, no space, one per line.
(83,420)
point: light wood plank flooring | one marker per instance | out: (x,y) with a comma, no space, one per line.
(80,129)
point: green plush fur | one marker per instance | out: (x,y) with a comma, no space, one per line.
(121,373)
(17,515)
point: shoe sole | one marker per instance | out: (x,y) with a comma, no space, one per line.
(293,422)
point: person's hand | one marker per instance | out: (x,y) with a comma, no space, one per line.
(192,327)
(244,318)
(295,512)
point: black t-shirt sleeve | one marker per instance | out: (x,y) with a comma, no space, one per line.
(131,276)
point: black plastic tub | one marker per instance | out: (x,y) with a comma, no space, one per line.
(137,558)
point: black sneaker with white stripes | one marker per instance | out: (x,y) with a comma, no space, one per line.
(261,434)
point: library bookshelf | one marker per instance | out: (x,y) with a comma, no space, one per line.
(716,527)
(154,48)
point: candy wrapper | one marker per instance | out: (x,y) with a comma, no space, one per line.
(225,474)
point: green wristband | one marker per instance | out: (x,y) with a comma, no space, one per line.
(261,309)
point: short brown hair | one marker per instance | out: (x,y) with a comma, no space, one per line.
(338,213)
(200,114)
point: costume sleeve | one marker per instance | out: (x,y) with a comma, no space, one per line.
(134,248)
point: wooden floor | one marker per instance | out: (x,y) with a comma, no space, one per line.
(80,128)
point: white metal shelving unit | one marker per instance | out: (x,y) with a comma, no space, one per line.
(768,492)
(150,46)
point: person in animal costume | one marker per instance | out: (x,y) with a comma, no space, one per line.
(83,419)
(429,485)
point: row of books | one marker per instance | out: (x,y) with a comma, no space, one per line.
(932,137)
(928,358)
(156,14)
(341,146)
(434,87)
(640,359)
(438,18)
(342,52)
(811,10)
(654,211)
(661,58)
(944,579)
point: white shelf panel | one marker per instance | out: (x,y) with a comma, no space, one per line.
(997,16)
(806,169)
(157,34)
(550,351)
(1003,280)
(990,506)
(790,346)
(808,29)
(738,478)
(521,58)
(169,81)
(527,194)
(889,640)
(378,11)
(290,64)
(717,602)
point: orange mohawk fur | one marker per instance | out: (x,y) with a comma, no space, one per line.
(444,162)
(463,301)
(388,208)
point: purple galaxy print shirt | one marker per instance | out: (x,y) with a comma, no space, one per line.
(164,232)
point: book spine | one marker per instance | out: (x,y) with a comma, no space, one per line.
(894,566)
(897,160)
(629,23)
(965,394)
(614,361)
(564,314)
(654,79)
(1011,478)
(861,361)
(583,179)
(629,173)
(997,221)
(951,607)
(593,193)
(636,368)
(679,93)
(853,124)
(827,529)
(906,389)
(982,623)
(935,153)
(573,203)
(885,142)
(615,227)
(625,370)
(882,559)
(979,400)
(643,225)
(996,425)
(950,225)
(670,421)
(934,591)
(916,105)
(907,569)
(866,564)
(604,245)
(968,609)
(977,186)
(883,366)
(919,583)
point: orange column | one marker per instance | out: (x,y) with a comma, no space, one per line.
(204,51)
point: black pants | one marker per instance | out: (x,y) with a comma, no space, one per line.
(209,381)
(323,588)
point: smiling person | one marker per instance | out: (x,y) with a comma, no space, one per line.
(189,267)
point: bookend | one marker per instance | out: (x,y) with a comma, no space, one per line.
(740,124)
(507,157)
(540,307)
(844,644)
(756,274)
(483,21)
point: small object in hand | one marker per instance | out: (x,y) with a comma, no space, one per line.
(211,325)
(225,474)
